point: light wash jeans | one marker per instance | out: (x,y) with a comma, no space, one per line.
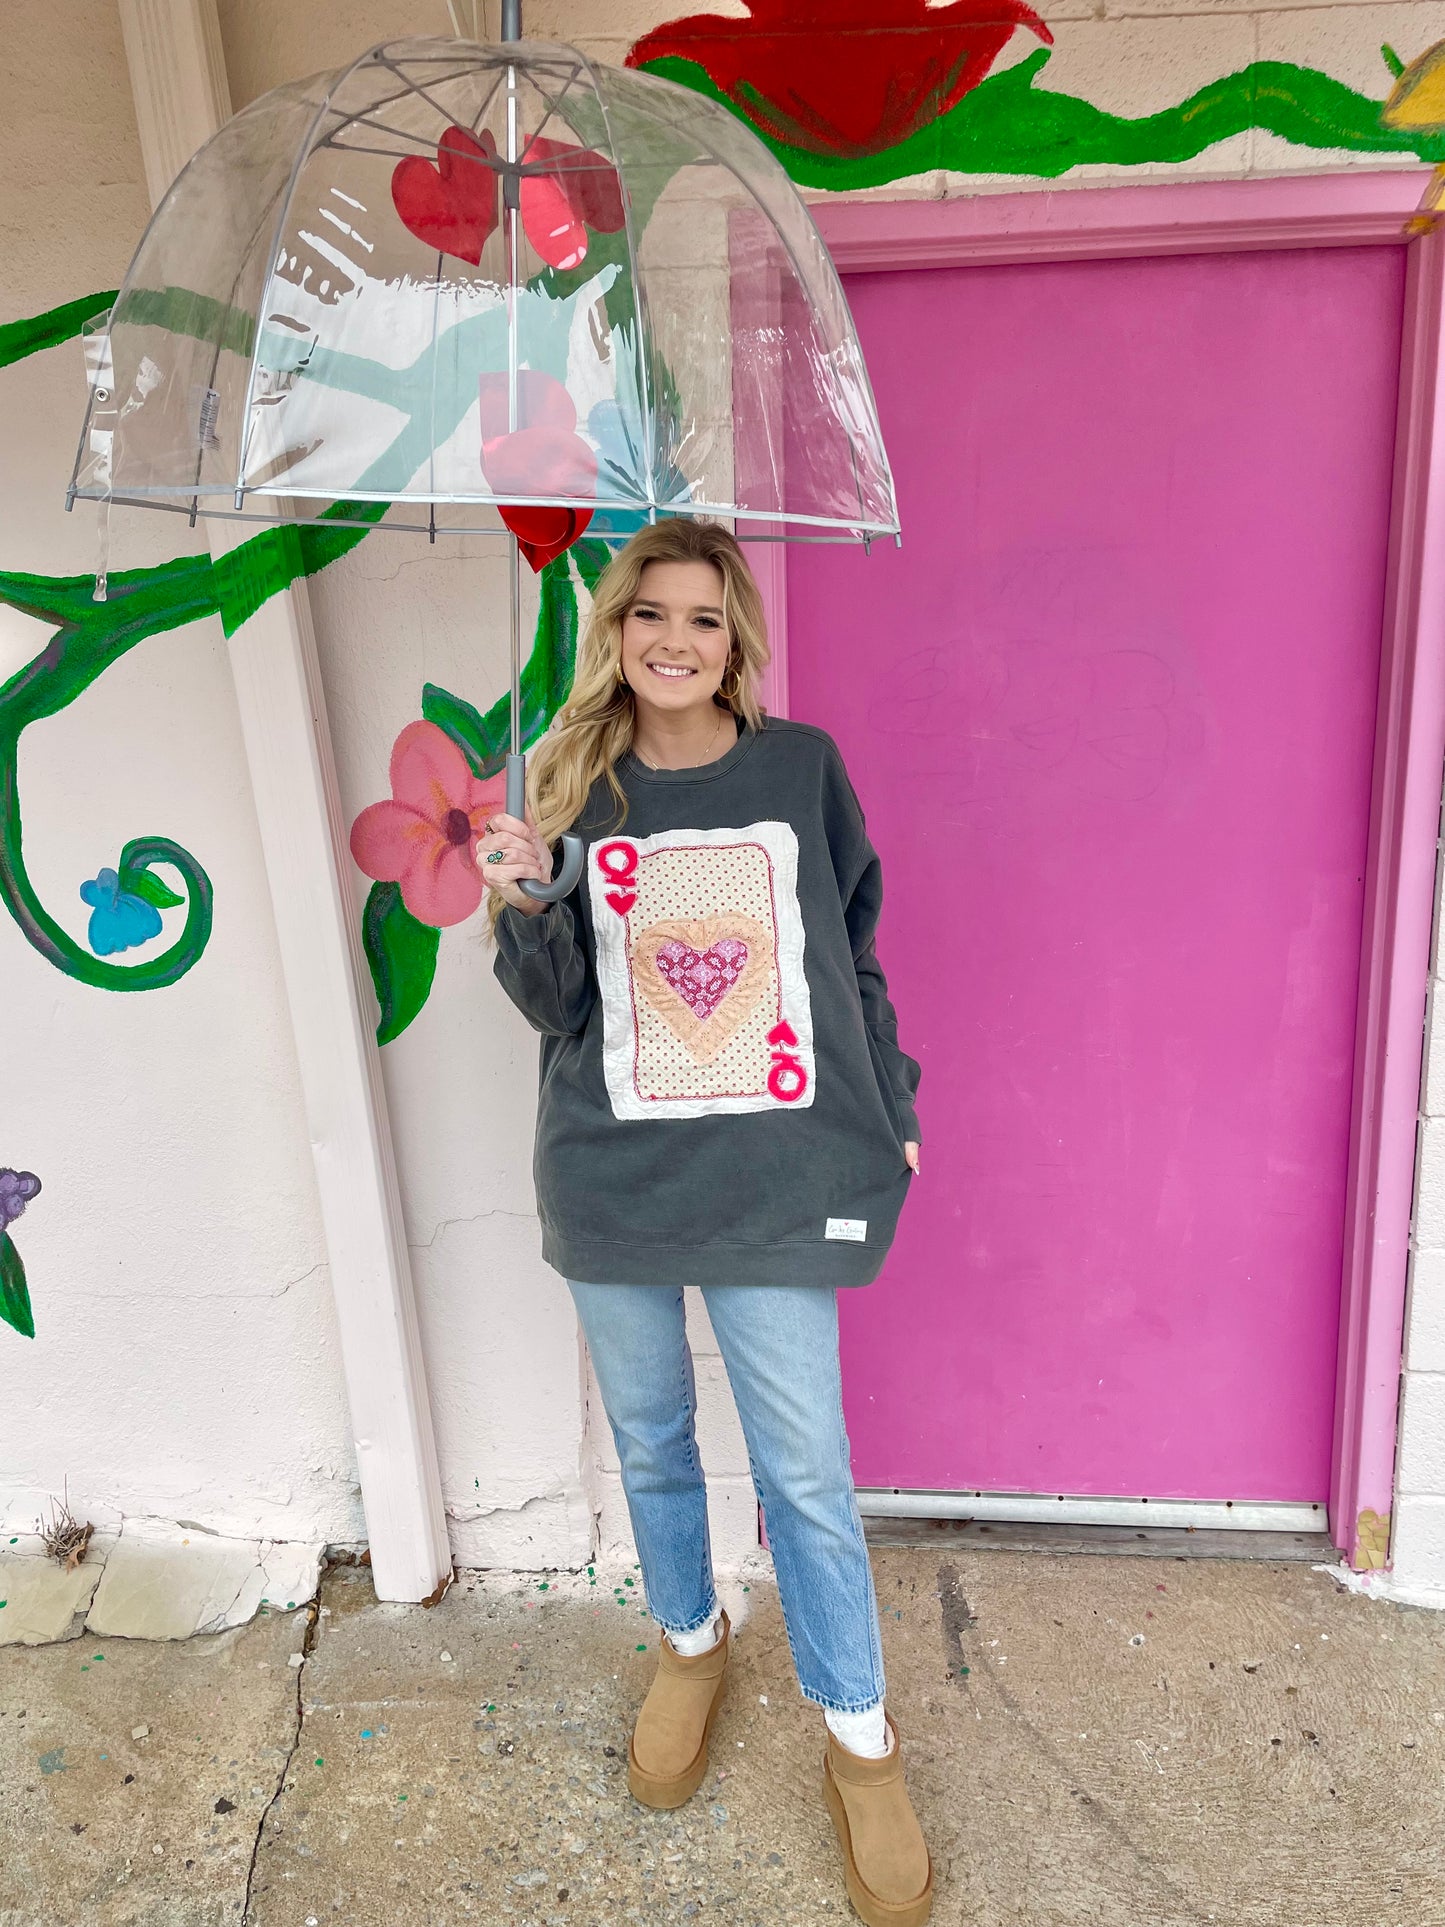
(780,1346)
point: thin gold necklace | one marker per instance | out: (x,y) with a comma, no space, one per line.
(701,759)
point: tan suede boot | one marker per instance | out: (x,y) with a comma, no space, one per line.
(886,1862)
(667,1755)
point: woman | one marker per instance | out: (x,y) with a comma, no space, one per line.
(724,1104)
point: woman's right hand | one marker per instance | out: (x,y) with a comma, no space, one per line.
(524,854)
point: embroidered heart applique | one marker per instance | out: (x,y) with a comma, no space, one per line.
(703,979)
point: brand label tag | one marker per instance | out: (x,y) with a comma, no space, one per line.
(855,1230)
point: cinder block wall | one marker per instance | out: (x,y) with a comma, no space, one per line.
(1418,1537)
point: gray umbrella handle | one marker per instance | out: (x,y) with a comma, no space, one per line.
(565,882)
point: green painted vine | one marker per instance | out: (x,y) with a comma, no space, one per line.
(1009,124)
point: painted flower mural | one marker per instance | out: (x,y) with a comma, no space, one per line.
(844,76)
(424,838)
(857,93)
(17,1188)
(119,919)
(1417,104)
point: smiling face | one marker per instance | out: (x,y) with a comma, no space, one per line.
(674,644)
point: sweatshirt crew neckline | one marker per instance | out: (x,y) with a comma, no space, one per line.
(632,766)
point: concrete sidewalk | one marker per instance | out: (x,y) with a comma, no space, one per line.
(1114,1740)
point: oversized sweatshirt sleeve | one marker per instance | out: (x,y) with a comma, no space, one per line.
(542,966)
(861,885)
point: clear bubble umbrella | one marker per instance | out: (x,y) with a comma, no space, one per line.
(458,287)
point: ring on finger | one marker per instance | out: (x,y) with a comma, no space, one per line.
(496,856)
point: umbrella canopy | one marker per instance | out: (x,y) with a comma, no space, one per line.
(457,286)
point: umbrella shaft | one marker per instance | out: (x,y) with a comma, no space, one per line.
(512,30)
(516,648)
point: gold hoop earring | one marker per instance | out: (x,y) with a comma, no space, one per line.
(734,677)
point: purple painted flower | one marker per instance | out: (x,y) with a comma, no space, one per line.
(17,1188)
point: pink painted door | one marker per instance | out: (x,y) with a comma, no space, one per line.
(1110,710)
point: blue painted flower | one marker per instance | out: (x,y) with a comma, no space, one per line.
(118,920)
(617,434)
(17,1188)
(621,467)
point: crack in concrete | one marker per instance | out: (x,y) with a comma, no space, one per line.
(313,1620)
(956,1621)
(221,1622)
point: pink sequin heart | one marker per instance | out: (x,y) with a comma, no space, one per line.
(703,978)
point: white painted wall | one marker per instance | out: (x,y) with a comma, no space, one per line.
(186,1362)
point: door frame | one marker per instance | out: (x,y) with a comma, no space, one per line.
(1347,209)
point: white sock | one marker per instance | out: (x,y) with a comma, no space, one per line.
(700,1640)
(865,1733)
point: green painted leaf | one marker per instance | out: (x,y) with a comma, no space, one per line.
(483,739)
(402,952)
(1392,60)
(148,886)
(14,1296)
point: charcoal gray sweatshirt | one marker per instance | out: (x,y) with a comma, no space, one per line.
(723,1098)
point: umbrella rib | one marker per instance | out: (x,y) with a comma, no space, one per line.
(346,120)
(386,153)
(379,127)
(481,112)
(418,90)
(552,106)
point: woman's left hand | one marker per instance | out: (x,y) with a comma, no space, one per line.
(910,1152)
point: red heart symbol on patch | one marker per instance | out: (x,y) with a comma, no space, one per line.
(622,900)
(783,1033)
(452,206)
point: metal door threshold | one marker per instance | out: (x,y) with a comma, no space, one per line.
(1084,1509)
(1148,1542)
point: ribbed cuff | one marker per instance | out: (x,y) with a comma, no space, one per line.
(531,934)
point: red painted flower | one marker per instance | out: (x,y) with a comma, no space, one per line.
(542,455)
(425,836)
(845,77)
(453,206)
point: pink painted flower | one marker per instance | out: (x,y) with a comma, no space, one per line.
(425,838)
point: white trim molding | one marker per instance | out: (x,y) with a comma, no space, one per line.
(173,48)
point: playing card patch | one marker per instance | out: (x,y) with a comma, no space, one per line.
(700,964)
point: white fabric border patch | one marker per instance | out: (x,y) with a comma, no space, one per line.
(619,1032)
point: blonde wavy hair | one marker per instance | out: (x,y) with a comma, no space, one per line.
(594,727)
